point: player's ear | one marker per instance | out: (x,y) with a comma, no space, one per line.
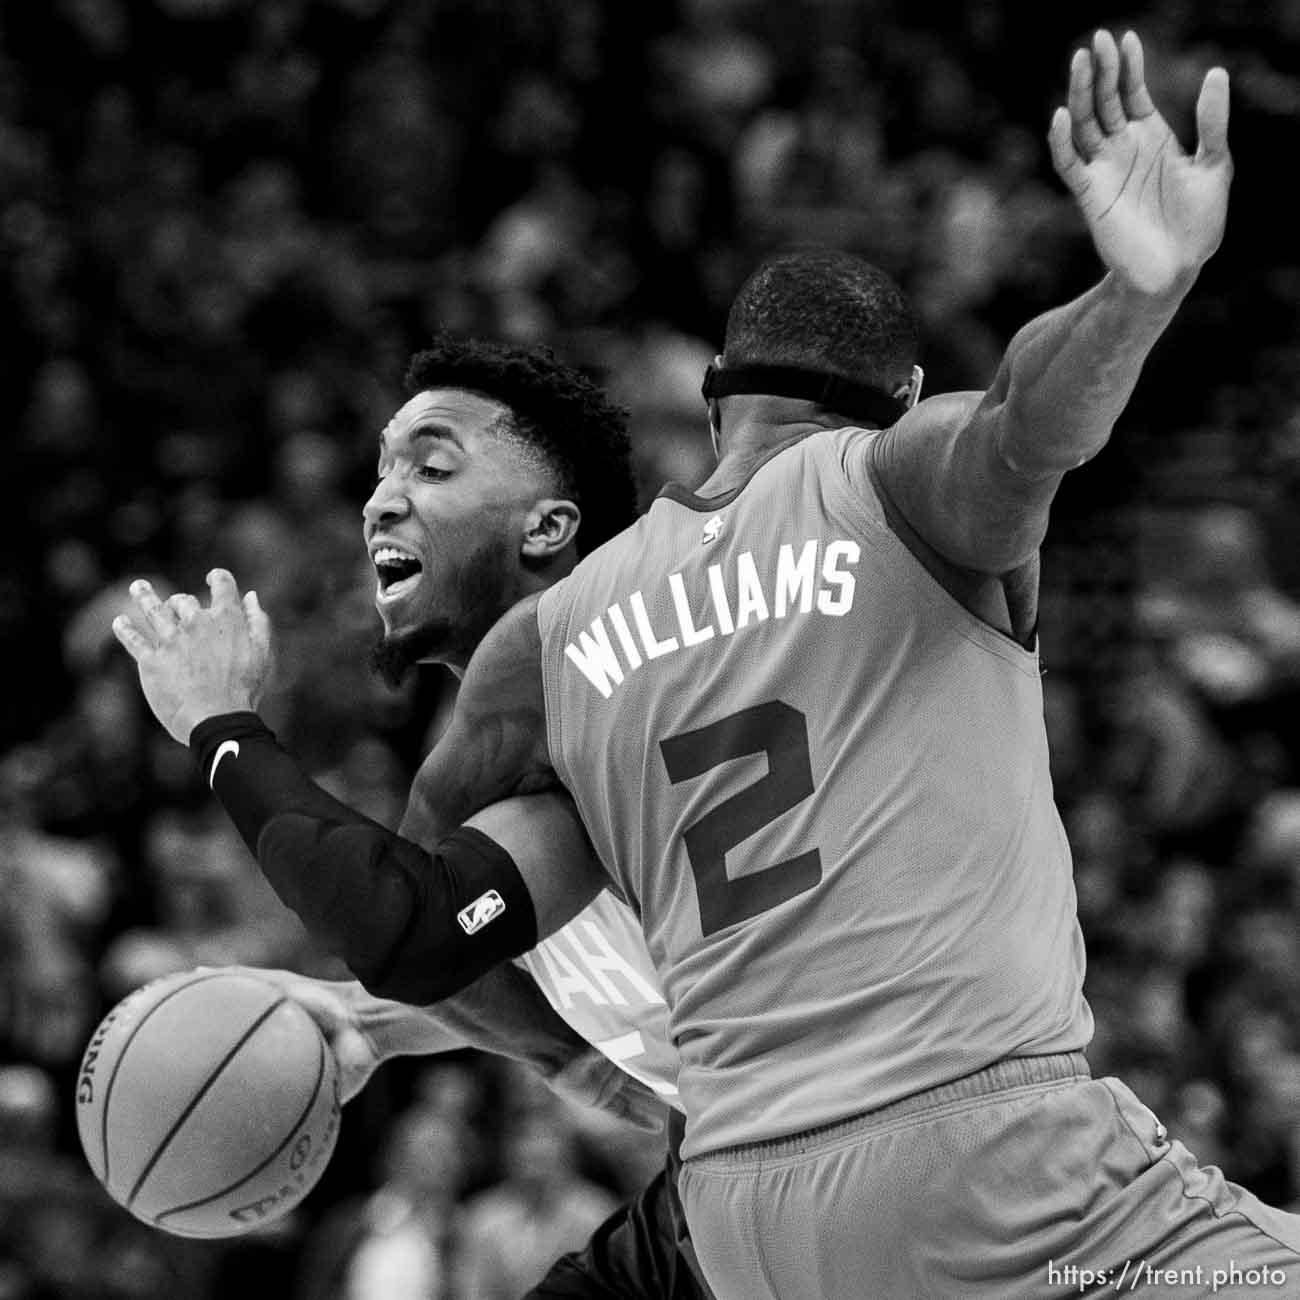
(550,526)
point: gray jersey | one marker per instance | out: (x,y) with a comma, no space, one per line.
(823,784)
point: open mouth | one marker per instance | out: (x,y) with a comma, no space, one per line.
(398,571)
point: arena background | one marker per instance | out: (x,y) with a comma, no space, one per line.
(224,226)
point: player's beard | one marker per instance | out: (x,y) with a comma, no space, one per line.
(476,596)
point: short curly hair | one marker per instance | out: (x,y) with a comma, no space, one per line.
(555,410)
(827,310)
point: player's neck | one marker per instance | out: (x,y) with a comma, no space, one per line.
(532,580)
(747,443)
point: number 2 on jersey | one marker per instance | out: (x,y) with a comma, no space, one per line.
(780,732)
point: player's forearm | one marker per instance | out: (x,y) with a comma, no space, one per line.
(253,777)
(975,474)
(1066,377)
(395,1028)
(502,1012)
(411,924)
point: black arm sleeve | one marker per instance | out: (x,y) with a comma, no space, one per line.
(410,924)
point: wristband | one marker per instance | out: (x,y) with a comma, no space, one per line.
(220,735)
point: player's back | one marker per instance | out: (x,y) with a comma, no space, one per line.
(824,785)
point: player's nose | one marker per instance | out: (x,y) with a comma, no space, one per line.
(388,502)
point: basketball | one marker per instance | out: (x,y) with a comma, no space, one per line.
(207,1103)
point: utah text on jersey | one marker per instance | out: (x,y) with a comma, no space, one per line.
(596,973)
(810,578)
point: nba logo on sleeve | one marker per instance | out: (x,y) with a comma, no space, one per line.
(485,908)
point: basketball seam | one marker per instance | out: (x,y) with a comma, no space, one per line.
(252,1173)
(122,1053)
(198,1097)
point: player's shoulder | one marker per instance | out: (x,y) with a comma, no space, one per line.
(908,447)
(512,644)
(500,706)
(504,674)
(943,411)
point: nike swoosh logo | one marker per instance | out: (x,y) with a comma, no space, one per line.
(226,747)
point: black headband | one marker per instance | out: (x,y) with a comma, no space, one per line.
(858,401)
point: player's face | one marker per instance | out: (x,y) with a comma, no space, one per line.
(444,524)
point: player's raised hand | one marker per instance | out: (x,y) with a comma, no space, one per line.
(194,662)
(1156,213)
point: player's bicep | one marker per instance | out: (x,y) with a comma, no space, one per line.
(550,849)
(435,805)
(942,468)
(495,744)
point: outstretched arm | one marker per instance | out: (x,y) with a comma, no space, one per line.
(412,923)
(975,474)
(503,1013)
(375,899)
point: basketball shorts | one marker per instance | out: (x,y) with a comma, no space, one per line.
(641,1252)
(1029,1179)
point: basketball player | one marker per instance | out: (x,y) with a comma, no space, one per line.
(525,439)
(799,713)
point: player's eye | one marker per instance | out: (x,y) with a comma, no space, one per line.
(433,474)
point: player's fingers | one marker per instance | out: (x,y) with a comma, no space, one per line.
(1132,78)
(224,589)
(1088,137)
(183,606)
(136,643)
(1105,92)
(352,1049)
(1212,116)
(356,1060)
(160,620)
(1064,156)
(135,617)
(259,625)
(325,1007)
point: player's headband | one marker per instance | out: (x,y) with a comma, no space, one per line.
(858,401)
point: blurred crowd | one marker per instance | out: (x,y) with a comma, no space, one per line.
(225,225)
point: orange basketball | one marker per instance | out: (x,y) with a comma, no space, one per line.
(207,1103)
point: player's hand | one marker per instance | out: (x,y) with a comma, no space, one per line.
(354,1050)
(1156,213)
(592,1079)
(194,662)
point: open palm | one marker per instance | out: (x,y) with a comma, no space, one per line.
(1156,213)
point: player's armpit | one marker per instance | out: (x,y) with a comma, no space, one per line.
(495,744)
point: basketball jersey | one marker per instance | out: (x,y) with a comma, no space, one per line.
(596,973)
(823,785)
